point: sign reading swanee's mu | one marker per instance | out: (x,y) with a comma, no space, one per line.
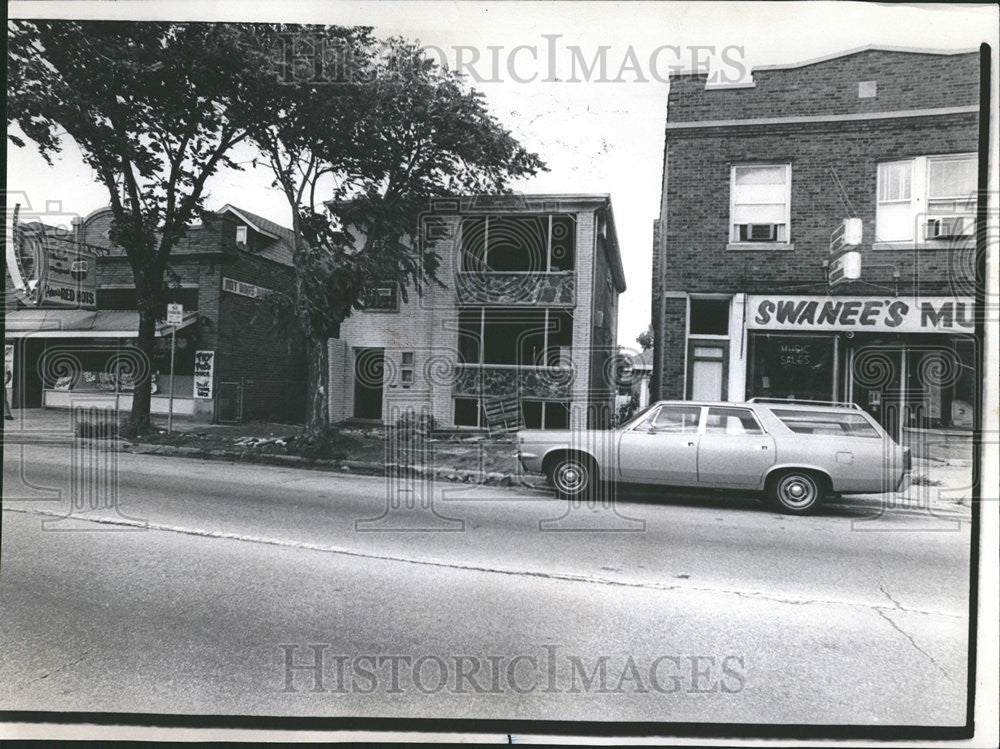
(907,315)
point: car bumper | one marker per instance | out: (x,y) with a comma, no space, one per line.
(904,482)
(530,462)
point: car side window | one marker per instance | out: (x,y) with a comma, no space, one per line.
(731,421)
(677,419)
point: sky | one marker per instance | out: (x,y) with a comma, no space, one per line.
(597,133)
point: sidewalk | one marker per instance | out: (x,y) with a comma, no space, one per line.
(937,487)
(467,459)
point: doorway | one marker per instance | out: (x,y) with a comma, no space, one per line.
(369,374)
(29,353)
(707,370)
(878,372)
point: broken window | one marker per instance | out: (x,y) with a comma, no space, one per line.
(515,336)
(563,243)
(518,244)
(469,413)
(560,338)
(545,414)
(470,325)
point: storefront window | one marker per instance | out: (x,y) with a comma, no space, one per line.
(799,367)
(942,376)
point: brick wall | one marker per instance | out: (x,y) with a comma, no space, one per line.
(833,176)
(905,80)
(264,351)
(669,358)
(698,192)
(656,309)
(604,337)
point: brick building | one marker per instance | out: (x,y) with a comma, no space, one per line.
(523,328)
(249,365)
(766,187)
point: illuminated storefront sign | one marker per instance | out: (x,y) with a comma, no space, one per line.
(49,269)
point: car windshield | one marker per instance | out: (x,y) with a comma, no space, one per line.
(802,421)
(638,417)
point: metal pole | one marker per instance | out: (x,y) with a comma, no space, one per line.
(170,408)
(118,353)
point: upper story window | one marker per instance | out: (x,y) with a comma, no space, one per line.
(382,298)
(510,244)
(926,198)
(760,197)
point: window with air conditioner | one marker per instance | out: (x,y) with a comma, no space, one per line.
(760,203)
(926,198)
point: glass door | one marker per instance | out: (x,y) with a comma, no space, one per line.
(877,377)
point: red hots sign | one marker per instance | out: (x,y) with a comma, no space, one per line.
(901,315)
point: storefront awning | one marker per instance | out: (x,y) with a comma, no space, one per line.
(71,323)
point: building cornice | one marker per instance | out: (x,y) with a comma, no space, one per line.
(811,119)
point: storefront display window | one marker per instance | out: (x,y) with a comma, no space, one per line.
(791,366)
(943,374)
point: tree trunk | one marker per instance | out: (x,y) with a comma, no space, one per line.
(139,418)
(318,393)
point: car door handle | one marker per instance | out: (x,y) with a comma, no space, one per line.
(763,447)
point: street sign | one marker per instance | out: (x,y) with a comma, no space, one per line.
(175,315)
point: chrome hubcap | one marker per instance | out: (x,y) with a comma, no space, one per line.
(797,491)
(571,477)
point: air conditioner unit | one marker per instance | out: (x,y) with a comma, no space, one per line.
(946,227)
(757,232)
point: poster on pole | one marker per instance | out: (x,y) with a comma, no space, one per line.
(204,373)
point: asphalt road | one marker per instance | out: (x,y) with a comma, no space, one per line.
(193,588)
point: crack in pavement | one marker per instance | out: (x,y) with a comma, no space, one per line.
(904,633)
(56,670)
(899,607)
(429,562)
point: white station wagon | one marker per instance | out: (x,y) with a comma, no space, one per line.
(796,452)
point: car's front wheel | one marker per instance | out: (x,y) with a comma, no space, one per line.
(796,492)
(573,476)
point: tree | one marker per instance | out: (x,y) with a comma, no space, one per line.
(149,107)
(359,160)
(645,339)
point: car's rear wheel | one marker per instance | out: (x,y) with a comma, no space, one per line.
(573,476)
(796,492)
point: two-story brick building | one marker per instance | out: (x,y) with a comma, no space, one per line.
(233,360)
(757,290)
(522,329)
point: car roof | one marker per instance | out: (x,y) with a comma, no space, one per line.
(766,404)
